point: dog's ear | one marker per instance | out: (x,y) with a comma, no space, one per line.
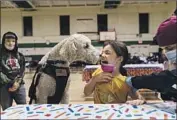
(73,46)
(62,51)
(68,49)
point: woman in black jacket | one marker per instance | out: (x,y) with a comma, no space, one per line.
(11,72)
(165,81)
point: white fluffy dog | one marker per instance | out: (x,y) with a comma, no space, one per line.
(76,47)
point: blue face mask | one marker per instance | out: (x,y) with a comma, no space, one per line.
(171,56)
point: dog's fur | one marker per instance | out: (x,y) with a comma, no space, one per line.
(76,47)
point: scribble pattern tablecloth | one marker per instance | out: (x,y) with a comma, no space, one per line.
(91,111)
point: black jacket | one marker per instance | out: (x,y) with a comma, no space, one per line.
(162,82)
(12,64)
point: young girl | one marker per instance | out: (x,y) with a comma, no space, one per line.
(111,87)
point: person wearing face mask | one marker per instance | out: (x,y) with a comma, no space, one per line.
(108,81)
(165,81)
(11,72)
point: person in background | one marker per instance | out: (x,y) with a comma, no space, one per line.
(110,87)
(12,68)
(165,81)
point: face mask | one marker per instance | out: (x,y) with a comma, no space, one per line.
(107,67)
(9,43)
(171,56)
(9,47)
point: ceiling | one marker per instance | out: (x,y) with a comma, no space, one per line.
(35,4)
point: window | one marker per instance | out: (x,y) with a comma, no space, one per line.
(27,26)
(144,23)
(64,25)
(102,22)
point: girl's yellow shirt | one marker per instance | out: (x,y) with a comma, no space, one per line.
(115,91)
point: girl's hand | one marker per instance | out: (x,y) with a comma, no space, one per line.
(136,102)
(103,77)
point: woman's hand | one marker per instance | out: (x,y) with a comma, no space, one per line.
(136,102)
(14,87)
(103,77)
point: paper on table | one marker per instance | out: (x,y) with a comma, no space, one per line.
(168,107)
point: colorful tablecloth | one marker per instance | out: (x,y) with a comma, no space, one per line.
(132,70)
(91,111)
(143,69)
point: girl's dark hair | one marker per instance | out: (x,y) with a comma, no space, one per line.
(121,50)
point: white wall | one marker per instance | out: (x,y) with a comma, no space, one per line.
(45,25)
(124,19)
(11,21)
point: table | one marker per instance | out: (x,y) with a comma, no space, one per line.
(132,70)
(165,110)
(143,69)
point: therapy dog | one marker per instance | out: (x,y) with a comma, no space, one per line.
(51,81)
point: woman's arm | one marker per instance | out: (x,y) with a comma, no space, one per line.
(161,82)
(4,79)
(135,95)
(138,99)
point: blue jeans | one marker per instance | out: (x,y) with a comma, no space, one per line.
(6,97)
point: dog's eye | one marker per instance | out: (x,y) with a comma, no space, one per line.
(86,46)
